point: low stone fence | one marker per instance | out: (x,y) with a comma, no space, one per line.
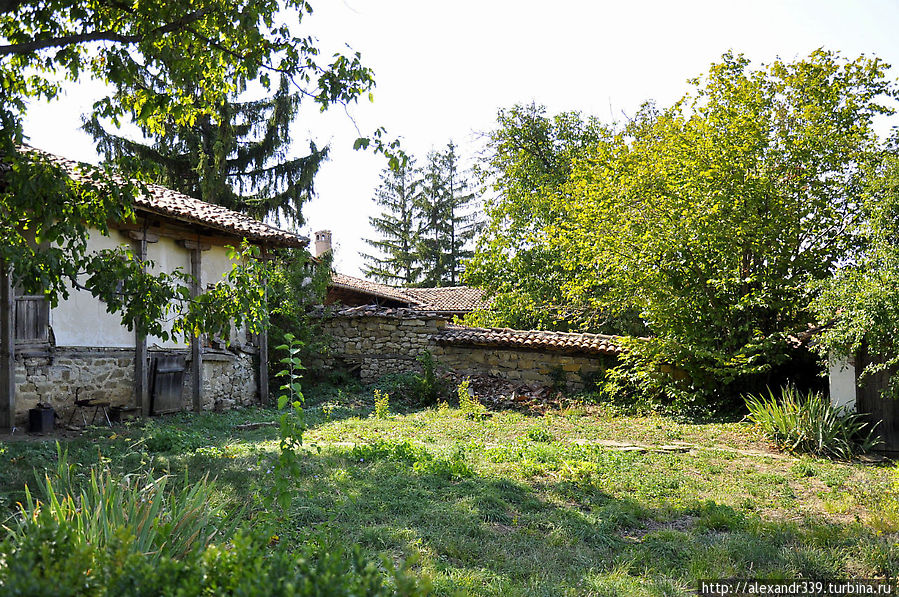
(376,341)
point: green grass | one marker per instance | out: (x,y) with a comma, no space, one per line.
(513,504)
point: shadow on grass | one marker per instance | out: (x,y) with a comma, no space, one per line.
(496,536)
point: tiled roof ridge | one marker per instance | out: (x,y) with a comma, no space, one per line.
(508,337)
(460,299)
(376,288)
(171,203)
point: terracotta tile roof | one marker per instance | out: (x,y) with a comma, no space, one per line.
(388,312)
(449,299)
(167,202)
(369,287)
(504,337)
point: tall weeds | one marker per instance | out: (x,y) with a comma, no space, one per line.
(811,424)
(160,520)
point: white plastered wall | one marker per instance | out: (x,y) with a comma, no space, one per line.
(841,374)
(214,266)
(167,256)
(82,320)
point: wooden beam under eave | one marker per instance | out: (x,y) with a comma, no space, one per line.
(141,356)
(7,350)
(264,397)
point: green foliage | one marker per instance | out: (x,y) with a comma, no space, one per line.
(418,458)
(427,223)
(861,302)
(296,282)
(539,433)
(397,227)
(469,404)
(291,425)
(704,221)
(382,405)
(428,388)
(529,158)
(103,510)
(166,67)
(236,157)
(810,424)
(49,559)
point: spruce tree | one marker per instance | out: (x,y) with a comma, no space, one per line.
(461,224)
(397,226)
(237,159)
(444,206)
(430,208)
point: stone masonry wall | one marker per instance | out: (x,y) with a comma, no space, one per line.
(53,377)
(377,345)
(107,374)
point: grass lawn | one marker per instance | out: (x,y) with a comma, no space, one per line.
(577,501)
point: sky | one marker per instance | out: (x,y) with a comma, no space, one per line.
(443,69)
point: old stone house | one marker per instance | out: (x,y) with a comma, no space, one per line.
(51,354)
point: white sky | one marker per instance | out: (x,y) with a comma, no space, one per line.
(444,68)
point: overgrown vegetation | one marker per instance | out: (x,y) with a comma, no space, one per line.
(683,224)
(511,504)
(810,423)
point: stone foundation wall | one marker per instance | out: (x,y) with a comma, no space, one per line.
(229,380)
(52,377)
(377,345)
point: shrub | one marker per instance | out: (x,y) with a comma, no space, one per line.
(382,405)
(810,423)
(50,560)
(469,404)
(428,388)
(539,433)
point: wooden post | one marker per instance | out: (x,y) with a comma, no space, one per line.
(196,340)
(7,350)
(141,357)
(263,346)
(263,357)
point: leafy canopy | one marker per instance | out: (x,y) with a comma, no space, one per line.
(707,219)
(166,64)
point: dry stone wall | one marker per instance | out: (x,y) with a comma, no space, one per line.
(52,378)
(375,345)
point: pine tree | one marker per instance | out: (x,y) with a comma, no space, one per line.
(461,223)
(447,222)
(397,226)
(237,159)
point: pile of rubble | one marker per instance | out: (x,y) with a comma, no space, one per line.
(499,393)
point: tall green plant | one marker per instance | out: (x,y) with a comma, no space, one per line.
(811,424)
(291,425)
(161,521)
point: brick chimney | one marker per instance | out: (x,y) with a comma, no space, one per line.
(322,242)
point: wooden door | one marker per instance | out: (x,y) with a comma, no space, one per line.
(878,408)
(166,384)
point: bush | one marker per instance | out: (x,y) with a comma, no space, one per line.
(382,405)
(469,404)
(423,389)
(810,424)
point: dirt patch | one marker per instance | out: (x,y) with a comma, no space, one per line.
(683,524)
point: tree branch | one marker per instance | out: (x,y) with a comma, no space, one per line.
(109,35)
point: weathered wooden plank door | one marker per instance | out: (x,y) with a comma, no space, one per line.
(167,384)
(32,319)
(879,408)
